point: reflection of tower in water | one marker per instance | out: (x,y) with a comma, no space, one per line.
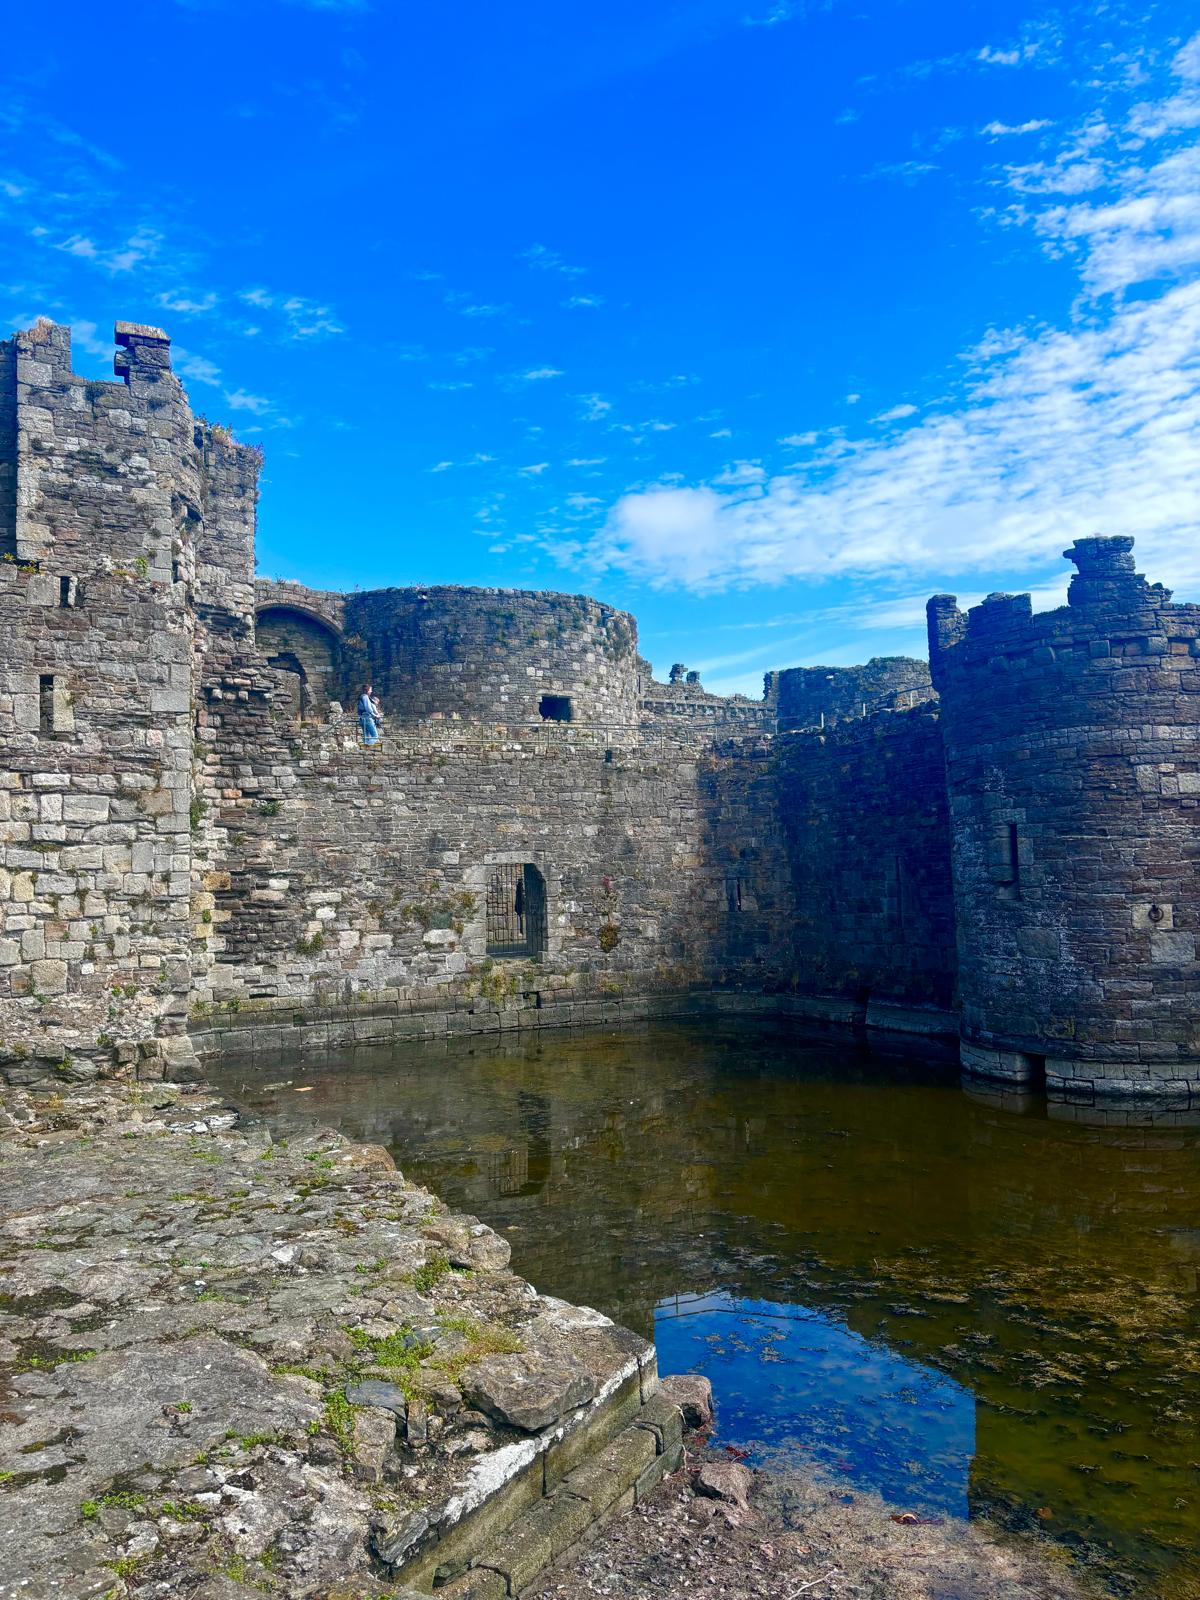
(525,1169)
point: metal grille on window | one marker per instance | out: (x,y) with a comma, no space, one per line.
(516,911)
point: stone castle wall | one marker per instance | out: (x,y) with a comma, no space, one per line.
(491,654)
(815,697)
(96,668)
(1073,762)
(333,868)
(189,821)
(868,841)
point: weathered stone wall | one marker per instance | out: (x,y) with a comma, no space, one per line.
(1073,760)
(300,644)
(684,706)
(868,838)
(333,869)
(491,654)
(813,697)
(8,448)
(96,661)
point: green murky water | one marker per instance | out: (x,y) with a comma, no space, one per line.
(973,1304)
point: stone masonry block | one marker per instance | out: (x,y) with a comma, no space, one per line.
(480,1583)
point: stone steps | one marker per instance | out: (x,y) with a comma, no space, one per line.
(568,1514)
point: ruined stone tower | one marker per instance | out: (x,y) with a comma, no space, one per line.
(116,511)
(1072,743)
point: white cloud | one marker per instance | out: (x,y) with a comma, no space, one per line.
(194,369)
(1050,434)
(741,473)
(721,433)
(578,301)
(185,304)
(546,260)
(897,413)
(86,336)
(442,466)
(781,11)
(535,470)
(997,130)
(78,245)
(594,407)
(537,374)
(239,400)
(798,441)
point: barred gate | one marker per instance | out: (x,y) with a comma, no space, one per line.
(516,911)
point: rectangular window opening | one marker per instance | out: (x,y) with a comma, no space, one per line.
(66,590)
(46,719)
(555,708)
(1014,862)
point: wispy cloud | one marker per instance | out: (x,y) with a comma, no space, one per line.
(546,260)
(193,368)
(998,130)
(239,400)
(1053,433)
(187,305)
(302,318)
(781,11)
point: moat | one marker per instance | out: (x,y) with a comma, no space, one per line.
(972,1303)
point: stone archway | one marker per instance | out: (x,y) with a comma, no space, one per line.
(308,650)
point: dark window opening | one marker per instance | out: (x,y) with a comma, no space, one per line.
(515,912)
(46,720)
(555,708)
(1014,862)
(66,591)
(1035,1076)
(1004,859)
(176,570)
(897,897)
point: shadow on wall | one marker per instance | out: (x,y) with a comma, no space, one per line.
(308,651)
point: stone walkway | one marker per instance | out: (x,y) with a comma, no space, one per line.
(231,1366)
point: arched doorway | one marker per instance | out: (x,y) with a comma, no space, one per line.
(515,908)
(307,649)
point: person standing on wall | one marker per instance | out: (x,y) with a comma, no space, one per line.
(368,716)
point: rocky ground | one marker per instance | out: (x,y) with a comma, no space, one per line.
(232,1366)
(753,1536)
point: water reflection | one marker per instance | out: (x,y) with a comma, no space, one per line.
(798,1383)
(1046,1265)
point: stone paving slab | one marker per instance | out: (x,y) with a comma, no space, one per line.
(189,1312)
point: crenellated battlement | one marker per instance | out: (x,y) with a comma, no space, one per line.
(1072,742)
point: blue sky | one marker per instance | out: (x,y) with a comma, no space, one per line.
(764,321)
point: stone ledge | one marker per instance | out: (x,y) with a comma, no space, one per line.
(268,1342)
(264,1027)
(573,1512)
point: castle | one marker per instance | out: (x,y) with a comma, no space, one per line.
(198,853)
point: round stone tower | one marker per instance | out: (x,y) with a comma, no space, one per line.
(1073,765)
(509,656)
